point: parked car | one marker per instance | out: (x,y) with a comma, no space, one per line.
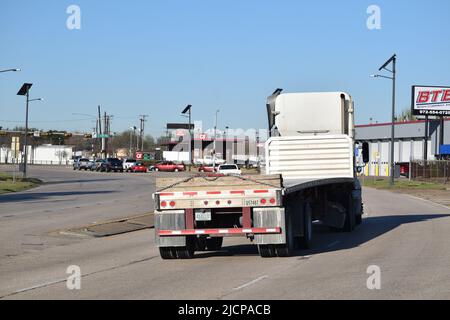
(91,165)
(138,167)
(111,164)
(169,166)
(128,163)
(229,169)
(97,165)
(81,163)
(205,168)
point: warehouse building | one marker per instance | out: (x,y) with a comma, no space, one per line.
(409,142)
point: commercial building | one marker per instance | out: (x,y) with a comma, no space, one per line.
(409,142)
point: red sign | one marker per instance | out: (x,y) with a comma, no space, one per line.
(428,100)
(139,155)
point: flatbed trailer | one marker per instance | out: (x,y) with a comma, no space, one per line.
(310,175)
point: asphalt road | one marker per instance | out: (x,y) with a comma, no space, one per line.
(407,238)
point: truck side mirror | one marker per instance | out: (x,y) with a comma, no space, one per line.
(365,152)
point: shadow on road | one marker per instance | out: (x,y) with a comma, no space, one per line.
(34,196)
(327,241)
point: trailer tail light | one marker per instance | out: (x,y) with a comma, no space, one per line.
(172,203)
(263,201)
(163,204)
(218,202)
(205,203)
(230,202)
(273,201)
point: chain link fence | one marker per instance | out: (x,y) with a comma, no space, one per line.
(430,170)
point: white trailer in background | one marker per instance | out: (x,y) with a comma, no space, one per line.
(310,175)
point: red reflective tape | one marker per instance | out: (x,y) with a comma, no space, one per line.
(190,193)
(242,231)
(261,191)
(213,192)
(237,192)
(166,194)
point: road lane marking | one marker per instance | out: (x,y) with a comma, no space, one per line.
(250,283)
(50,283)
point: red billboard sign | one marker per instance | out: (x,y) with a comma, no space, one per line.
(428,100)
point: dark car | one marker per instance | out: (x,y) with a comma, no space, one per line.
(112,164)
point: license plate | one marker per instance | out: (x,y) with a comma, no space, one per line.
(251,203)
(203,215)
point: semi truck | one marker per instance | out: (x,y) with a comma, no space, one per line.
(310,176)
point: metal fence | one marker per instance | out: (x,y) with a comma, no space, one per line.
(430,170)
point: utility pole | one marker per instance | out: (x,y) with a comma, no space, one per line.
(105,125)
(215,138)
(100,130)
(142,127)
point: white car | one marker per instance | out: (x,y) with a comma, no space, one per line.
(229,169)
(127,164)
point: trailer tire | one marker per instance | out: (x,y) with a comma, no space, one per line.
(167,253)
(285,250)
(214,244)
(186,252)
(306,240)
(266,250)
(350,217)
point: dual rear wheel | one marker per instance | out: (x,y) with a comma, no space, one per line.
(192,244)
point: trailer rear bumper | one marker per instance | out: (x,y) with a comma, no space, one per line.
(218,232)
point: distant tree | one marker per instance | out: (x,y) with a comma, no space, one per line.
(406,115)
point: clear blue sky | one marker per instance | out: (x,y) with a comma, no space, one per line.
(154,57)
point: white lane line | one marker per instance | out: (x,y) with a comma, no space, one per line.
(250,283)
(43,285)
(333,244)
(429,201)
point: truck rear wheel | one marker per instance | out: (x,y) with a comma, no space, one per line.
(285,250)
(350,218)
(306,240)
(188,251)
(167,253)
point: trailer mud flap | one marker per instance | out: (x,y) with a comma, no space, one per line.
(270,218)
(169,220)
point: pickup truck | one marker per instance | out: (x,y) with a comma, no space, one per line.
(310,175)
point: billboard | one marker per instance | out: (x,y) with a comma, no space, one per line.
(430,100)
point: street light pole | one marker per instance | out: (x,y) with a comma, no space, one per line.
(393,121)
(25,91)
(186,110)
(392,59)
